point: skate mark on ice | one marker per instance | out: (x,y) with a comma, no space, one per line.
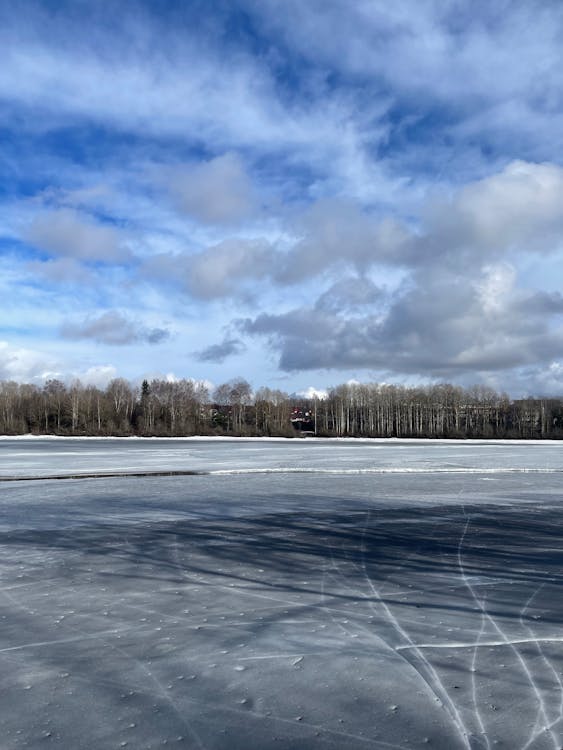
(539,730)
(431,679)
(510,643)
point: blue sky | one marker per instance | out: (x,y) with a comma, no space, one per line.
(301,194)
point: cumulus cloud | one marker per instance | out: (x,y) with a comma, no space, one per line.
(461,306)
(515,210)
(70,234)
(98,375)
(539,381)
(229,268)
(332,230)
(217,353)
(350,294)
(221,269)
(218,191)
(442,325)
(518,208)
(312,392)
(328,236)
(26,365)
(449,322)
(115,329)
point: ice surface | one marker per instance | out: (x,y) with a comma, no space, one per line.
(285,610)
(32,456)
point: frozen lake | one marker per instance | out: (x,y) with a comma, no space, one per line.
(287,594)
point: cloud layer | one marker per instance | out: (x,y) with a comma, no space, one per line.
(350,191)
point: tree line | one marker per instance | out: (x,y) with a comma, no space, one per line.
(187,407)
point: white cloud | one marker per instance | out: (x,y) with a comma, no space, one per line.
(227,269)
(26,365)
(517,208)
(99,375)
(311,392)
(495,288)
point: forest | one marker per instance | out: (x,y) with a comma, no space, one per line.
(187,407)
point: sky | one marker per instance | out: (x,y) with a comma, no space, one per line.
(297,193)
